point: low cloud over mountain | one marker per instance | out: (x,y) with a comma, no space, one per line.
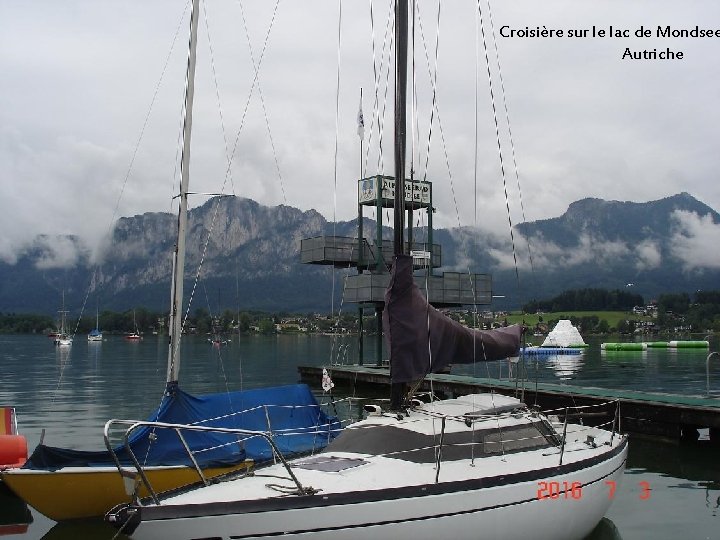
(250,256)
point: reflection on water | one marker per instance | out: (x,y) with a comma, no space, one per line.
(15,516)
(674,371)
(670,490)
(83,529)
(605,530)
(695,462)
(565,366)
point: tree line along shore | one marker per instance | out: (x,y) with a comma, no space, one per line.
(593,311)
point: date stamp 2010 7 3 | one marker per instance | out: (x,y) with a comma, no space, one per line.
(555,490)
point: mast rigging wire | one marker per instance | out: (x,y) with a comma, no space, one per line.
(509,128)
(228,171)
(335,155)
(497,138)
(136,148)
(435,110)
(262,102)
(378,117)
(217,88)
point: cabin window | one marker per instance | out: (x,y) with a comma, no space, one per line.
(399,443)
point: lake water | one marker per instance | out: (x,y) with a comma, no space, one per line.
(669,491)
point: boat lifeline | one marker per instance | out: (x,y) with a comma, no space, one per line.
(457,468)
(63,483)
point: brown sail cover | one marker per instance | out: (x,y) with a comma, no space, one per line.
(422,340)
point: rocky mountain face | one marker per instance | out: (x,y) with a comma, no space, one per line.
(250,257)
(628,222)
(247,255)
(654,247)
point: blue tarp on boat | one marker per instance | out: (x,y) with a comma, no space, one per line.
(291,412)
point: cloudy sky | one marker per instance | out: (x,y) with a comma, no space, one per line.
(91,97)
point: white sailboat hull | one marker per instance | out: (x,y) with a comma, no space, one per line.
(494,507)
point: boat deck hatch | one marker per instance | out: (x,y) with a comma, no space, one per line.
(330,463)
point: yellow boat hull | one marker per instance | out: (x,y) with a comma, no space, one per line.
(85,492)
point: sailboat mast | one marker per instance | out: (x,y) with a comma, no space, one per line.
(401,46)
(176,302)
(397,390)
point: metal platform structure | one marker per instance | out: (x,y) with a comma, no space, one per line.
(348,252)
(372,257)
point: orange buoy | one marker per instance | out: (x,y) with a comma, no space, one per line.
(13,451)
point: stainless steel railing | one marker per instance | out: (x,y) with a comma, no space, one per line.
(178,429)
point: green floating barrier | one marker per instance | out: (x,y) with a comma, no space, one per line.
(657,344)
(623,346)
(689,344)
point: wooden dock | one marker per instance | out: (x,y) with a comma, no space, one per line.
(661,415)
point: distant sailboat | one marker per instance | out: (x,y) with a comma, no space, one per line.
(217,339)
(95,334)
(62,339)
(135,334)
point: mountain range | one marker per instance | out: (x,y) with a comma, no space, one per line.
(250,257)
